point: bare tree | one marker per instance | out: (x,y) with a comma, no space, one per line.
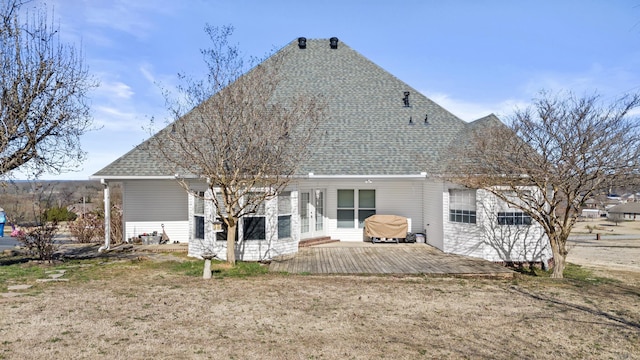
(241,136)
(511,237)
(43,104)
(568,148)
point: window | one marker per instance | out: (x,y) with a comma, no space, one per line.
(462,206)
(319,210)
(366,205)
(254,228)
(346,209)
(254,225)
(284,215)
(304,212)
(366,200)
(198,215)
(513,218)
(223,234)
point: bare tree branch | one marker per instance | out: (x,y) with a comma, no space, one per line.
(43,104)
(240,135)
(566,147)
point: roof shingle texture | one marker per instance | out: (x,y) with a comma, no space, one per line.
(367,129)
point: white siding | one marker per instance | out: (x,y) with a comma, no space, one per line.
(433,204)
(176,230)
(488,240)
(150,203)
(393,197)
(255,250)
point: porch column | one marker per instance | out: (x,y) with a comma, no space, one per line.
(107,217)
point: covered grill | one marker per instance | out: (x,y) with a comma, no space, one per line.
(386,227)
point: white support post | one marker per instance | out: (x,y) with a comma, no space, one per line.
(107,217)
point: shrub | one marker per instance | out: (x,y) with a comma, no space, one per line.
(59,214)
(39,240)
(88,228)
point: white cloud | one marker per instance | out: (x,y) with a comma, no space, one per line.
(146,70)
(132,17)
(634,112)
(93,20)
(470,110)
(610,82)
(114,89)
(113,119)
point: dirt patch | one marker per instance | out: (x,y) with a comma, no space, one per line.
(605,227)
(140,312)
(151,313)
(618,259)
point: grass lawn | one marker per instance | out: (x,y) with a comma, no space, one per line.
(145,308)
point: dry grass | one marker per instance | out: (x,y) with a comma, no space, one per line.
(605,227)
(136,310)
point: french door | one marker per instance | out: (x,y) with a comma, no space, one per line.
(312,210)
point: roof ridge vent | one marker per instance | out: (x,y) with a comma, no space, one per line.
(333,42)
(302,42)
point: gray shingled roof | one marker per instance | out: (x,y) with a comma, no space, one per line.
(367,131)
(626,208)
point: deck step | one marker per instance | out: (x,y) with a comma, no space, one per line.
(316,241)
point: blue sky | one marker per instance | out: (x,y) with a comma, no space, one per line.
(472,57)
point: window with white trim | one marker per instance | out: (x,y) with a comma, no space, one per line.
(366,205)
(198,215)
(513,218)
(284,215)
(462,206)
(348,211)
(511,214)
(255,225)
(222,235)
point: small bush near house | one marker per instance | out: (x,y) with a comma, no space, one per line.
(88,228)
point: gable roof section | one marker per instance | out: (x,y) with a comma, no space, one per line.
(626,208)
(367,130)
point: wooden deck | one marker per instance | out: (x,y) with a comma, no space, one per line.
(365,258)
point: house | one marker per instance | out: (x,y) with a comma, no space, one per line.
(591,213)
(384,152)
(624,212)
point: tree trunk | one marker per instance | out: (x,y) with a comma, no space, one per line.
(558,265)
(231,244)
(559,255)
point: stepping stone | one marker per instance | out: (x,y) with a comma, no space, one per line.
(10,294)
(56,276)
(18,287)
(50,280)
(55,271)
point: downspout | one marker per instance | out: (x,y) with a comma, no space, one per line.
(107,217)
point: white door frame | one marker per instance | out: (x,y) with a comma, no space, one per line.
(312,209)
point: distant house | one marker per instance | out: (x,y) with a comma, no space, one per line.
(591,213)
(384,152)
(629,197)
(591,204)
(624,212)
